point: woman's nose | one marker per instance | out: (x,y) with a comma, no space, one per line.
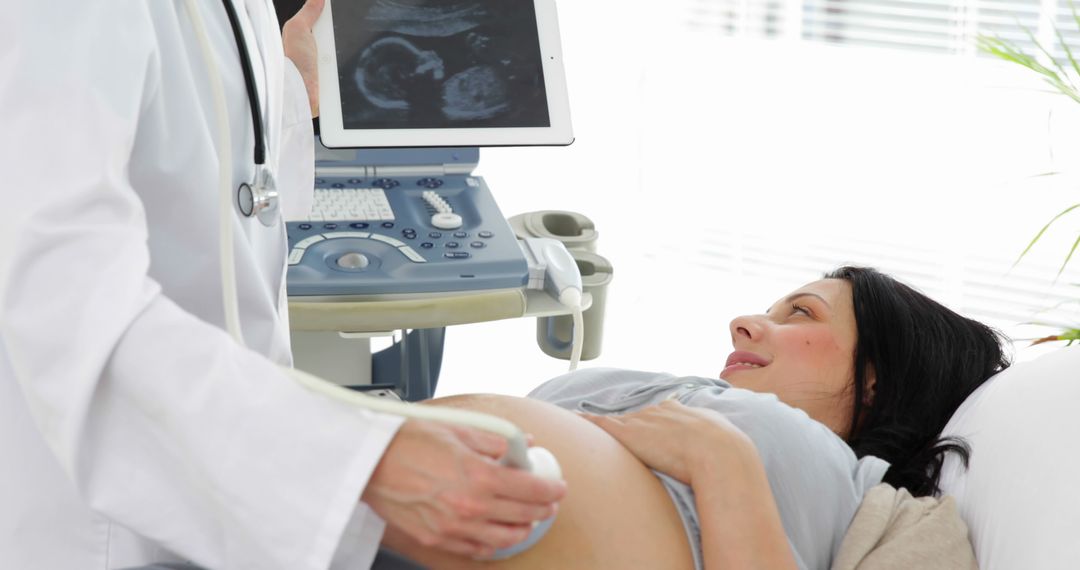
(746,327)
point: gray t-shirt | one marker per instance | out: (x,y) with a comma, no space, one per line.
(815,478)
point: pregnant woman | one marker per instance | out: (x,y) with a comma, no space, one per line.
(845,383)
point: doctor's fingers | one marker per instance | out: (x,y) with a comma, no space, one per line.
(504,511)
(524,487)
(473,536)
(485,536)
(460,547)
(434,522)
(482,442)
(403,536)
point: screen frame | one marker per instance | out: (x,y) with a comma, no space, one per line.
(335,135)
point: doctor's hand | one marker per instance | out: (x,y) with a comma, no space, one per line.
(442,486)
(299,44)
(678,440)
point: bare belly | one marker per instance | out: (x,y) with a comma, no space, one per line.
(616,513)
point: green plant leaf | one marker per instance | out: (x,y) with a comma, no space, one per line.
(1059,79)
(1068,257)
(1068,52)
(1043,230)
(1050,57)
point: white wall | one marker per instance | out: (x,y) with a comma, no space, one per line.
(695,154)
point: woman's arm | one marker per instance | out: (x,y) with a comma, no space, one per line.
(740,523)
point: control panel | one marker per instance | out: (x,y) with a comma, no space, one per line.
(401,235)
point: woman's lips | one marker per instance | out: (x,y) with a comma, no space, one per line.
(743,360)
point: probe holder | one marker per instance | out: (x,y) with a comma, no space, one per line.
(578,234)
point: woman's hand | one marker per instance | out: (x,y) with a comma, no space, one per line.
(299,44)
(441,486)
(674,439)
(740,524)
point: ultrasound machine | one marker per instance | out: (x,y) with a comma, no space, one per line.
(409,92)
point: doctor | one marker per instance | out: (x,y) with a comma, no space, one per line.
(133,429)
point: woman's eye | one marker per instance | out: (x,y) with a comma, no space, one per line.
(800,309)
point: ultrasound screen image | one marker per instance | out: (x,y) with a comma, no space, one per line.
(430,64)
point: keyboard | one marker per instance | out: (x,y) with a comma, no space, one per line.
(335,204)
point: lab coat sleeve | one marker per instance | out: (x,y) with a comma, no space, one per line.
(163,423)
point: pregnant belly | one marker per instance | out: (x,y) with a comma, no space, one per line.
(616,513)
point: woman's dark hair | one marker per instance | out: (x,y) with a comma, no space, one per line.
(925,360)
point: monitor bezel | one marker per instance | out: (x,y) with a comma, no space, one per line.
(335,135)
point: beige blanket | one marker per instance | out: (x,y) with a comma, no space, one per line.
(893,530)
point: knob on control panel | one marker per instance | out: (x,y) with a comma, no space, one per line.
(446,221)
(353,260)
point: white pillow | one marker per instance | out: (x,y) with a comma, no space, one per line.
(1021,496)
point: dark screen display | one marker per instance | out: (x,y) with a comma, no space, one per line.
(431,64)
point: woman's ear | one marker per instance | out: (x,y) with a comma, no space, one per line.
(871,382)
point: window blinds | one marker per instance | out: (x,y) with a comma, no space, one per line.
(938,26)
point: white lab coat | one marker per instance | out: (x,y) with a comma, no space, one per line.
(132,428)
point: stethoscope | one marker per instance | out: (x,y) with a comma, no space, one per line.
(260,197)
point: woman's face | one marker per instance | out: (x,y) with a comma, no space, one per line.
(802,350)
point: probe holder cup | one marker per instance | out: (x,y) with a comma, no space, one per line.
(573,230)
(578,234)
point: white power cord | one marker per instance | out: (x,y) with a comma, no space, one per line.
(579,337)
(536,459)
(571,298)
(553,269)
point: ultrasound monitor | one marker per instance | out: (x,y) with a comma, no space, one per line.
(441,73)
